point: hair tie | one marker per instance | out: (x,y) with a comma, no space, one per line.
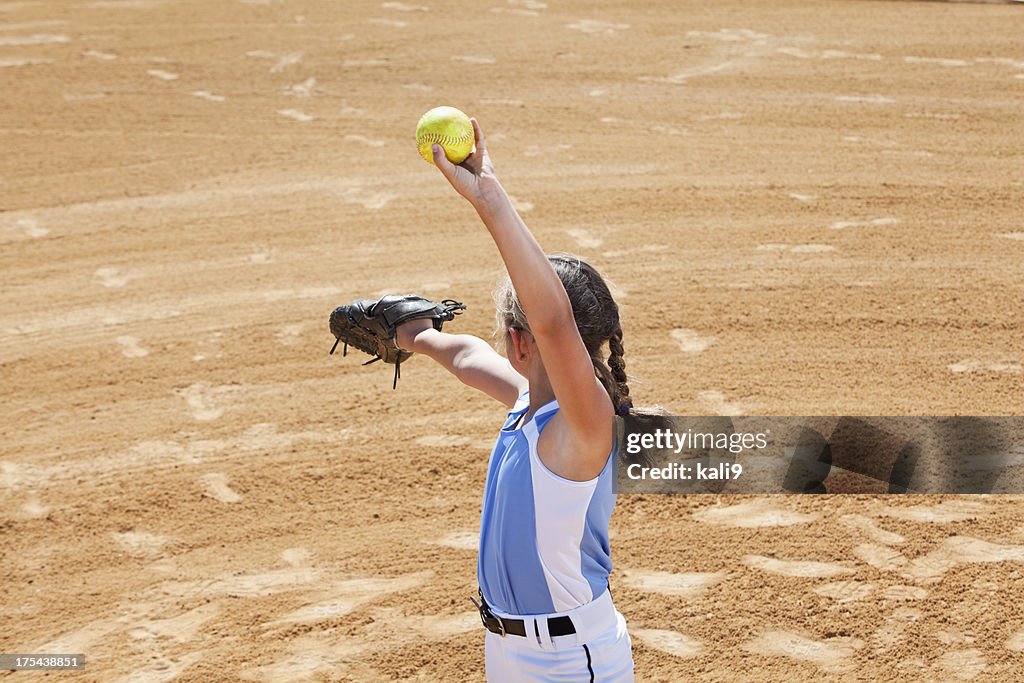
(625,408)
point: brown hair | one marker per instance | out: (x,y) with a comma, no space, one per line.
(597,319)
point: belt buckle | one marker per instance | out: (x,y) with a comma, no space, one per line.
(485,612)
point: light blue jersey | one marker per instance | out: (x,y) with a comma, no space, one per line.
(543,538)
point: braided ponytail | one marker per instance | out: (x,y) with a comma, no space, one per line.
(617,365)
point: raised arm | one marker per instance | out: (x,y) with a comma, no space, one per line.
(584,404)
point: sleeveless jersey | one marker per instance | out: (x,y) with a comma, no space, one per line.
(543,538)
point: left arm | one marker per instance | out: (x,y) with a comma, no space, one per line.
(469,358)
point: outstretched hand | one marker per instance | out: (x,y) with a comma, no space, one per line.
(474,178)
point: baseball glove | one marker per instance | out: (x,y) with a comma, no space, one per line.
(370,325)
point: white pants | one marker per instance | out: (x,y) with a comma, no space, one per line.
(600,650)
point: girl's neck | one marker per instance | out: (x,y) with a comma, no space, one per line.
(541,392)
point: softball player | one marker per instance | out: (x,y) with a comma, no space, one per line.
(544,552)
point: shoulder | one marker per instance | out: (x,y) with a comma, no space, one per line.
(571,457)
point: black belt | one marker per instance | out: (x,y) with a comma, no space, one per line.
(557,626)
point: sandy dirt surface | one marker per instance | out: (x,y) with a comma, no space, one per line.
(806,208)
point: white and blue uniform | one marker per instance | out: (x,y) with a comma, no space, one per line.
(544,553)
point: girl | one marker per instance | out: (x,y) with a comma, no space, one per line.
(544,553)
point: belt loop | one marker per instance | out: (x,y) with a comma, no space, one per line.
(545,636)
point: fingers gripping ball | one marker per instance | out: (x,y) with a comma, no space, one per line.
(448,127)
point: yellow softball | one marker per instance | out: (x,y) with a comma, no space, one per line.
(448,127)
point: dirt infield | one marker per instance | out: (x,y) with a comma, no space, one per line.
(806,208)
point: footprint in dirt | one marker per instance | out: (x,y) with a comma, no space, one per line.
(100,55)
(716,403)
(873,531)
(33,508)
(307,88)
(667,583)
(130,347)
(296,557)
(902,592)
(948,511)
(313,656)
(215,485)
(164,669)
(462,540)
(23,61)
(31,228)
(959,665)
(81,639)
(283,61)
(208,96)
(958,550)
(111,277)
(148,622)
(757,513)
(973,366)
(596,27)
(250,585)
(205,401)
(880,557)
(162,74)
(345,596)
(140,544)
(296,115)
(405,7)
(396,628)
(800,568)
(260,255)
(671,642)
(844,592)
(690,341)
(933,565)
(832,655)
(874,222)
